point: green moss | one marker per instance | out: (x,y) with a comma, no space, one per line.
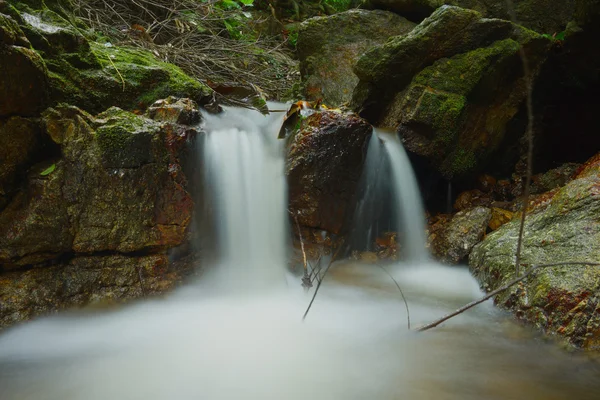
(126,140)
(118,76)
(460,74)
(460,162)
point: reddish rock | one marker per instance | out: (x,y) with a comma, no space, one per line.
(325,159)
(117,188)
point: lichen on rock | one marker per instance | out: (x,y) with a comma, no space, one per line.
(560,300)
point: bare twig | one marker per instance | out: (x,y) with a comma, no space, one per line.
(499,290)
(192,35)
(118,72)
(401,293)
(529,136)
(322,279)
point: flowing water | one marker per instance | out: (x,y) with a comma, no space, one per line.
(238,333)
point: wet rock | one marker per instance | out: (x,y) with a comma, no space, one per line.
(21,140)
(554,178)
(118,187)
(84,281)
(324,164)
(328,48)
(563,300)
(450,86)
(454,242)
(472,198)
(544,16)
(23,74)
(174,110)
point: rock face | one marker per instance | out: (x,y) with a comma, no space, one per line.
(544,16)
(325,159)
(562,300)
(453,243)
(116,188)
(328,48)
(83,281)
(450,86)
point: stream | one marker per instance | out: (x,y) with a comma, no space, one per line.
(237,331)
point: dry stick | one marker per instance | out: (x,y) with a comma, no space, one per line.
(116,69)
(529,135)
(499,290)
(321,281)
(401,293)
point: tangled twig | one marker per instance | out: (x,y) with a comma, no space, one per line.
(194,36)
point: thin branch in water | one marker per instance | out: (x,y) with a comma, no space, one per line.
(499,290)
(321,281)
(401,293)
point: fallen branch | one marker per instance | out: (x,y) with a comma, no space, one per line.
(321,281)
(497,291)
(401,293)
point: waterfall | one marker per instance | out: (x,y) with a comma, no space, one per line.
(408,199)
(244,177)
(390,199)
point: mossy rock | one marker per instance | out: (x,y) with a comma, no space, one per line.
(328,48)
(95,76)
(543,16)
(560,300)
(450,87)
(127,140)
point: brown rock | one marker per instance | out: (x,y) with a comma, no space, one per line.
(84,281)
(454,242)
(324,164)
(118,188)
(499,218)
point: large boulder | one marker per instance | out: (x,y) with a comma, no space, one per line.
(561,227)
(328,48)
(324,164)
(544,16)
(450,87)
(92,281)
(117,188)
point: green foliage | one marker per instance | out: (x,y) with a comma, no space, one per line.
(560,36)
(48,170)
(339,5)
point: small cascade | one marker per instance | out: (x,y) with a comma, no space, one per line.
(390,198)
(373,214)
(408,199)
(244,176)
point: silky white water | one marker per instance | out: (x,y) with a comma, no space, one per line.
(243,162)
(407,199)
(238,332)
